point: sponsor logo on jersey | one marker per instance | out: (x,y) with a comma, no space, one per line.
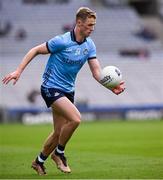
(70,61)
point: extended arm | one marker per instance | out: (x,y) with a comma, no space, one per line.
(96,71)
(40,49)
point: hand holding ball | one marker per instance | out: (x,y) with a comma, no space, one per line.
(111,77)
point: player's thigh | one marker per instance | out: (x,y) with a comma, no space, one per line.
(66,109)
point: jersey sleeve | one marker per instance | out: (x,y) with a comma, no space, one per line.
(55,44)
(92,51)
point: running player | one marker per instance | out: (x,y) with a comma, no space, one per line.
(68,53)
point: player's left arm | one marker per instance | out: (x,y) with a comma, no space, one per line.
(96,71)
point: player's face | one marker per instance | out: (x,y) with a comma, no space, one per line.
(87,26)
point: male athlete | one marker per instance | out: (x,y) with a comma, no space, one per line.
(68,53)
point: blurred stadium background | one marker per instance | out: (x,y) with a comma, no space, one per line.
(128,34)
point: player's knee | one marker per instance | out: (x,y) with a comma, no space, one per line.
(76,121)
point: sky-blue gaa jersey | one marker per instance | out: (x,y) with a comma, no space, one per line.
(66,59)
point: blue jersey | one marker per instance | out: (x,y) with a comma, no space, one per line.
(66,59)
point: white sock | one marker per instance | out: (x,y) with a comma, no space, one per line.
(59,151)
(40,160)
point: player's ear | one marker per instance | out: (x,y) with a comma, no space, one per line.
(79,22)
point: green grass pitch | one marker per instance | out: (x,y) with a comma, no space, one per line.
(98,150)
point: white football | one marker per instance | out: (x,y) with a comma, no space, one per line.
(111,76)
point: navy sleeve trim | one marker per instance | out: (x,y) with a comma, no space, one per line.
(48,47)
(92,58)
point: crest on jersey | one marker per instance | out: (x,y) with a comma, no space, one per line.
(85,51)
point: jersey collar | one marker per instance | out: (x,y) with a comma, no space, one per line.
(73,37)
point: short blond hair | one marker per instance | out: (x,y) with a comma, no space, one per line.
(84,12)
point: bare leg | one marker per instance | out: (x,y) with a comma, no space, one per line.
(68,111)
(71,114)
(53,139)
(50,144)
(66,119)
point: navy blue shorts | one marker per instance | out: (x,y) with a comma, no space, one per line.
(51,94)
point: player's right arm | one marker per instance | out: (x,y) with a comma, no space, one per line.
(96,71)
(40,49)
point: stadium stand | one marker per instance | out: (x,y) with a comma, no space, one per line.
(111,38)
(143,80)
(115,31)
